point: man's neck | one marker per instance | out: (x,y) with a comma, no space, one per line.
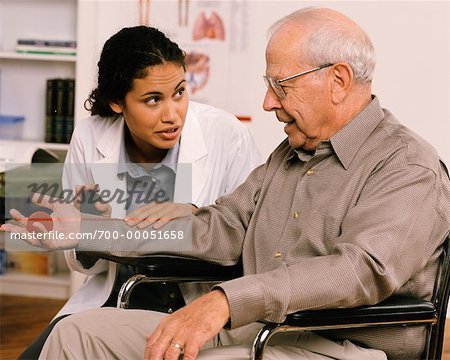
(352,105)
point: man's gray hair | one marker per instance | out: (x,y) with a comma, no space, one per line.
(333,42)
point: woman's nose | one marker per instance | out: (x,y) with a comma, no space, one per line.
(169,114)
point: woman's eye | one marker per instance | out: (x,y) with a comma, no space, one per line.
(152,100)
(180,92)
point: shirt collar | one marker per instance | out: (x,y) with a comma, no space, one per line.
(125,165)
(347,141)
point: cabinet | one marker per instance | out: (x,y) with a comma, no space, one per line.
(22,92)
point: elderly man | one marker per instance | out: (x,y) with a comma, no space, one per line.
(349,209)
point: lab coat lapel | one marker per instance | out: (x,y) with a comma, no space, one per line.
(191,176)
(104,170)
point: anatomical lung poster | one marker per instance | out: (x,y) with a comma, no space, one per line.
(211,33)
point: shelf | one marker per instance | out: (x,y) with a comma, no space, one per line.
(38,144)
(37,57)
(23,91)
(55,286)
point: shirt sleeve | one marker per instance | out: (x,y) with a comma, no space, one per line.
(214,233)
(395,229)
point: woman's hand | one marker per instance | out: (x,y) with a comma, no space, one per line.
(86,194)
(158,215)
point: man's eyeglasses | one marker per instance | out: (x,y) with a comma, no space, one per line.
(278,89)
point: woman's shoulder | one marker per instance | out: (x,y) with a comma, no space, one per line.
(94,124)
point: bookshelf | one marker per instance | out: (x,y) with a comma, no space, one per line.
(54,287)
(9,55)
(23,79)
(33,19)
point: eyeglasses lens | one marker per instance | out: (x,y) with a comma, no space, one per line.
(277,88)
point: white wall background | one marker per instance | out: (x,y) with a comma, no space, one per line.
(412,77)
(411,38)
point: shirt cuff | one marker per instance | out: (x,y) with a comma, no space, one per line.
(257,297)
(245,306)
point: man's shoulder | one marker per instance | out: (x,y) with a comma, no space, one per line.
(396,137)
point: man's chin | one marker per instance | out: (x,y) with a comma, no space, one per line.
(296,144)
(302,145)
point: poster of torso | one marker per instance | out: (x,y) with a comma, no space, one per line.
(214,36)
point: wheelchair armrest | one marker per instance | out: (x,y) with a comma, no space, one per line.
(395,309)
(159,268)
(177,267)
(182,267)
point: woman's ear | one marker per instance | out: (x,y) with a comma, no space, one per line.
(116,107)
(342,81)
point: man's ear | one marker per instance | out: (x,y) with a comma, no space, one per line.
(116,107)
(341,82)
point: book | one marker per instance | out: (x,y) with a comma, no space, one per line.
(42,46)
(60,99)
(47,43)
(47,50)
(50,104)
(59,112)
(70,109)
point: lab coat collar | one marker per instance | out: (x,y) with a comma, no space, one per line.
(189,170)
(191,176)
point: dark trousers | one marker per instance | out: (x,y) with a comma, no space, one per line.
(34,350)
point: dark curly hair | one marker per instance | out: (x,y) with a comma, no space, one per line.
(125,57)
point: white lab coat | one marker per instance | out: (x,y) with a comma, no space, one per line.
(219,148)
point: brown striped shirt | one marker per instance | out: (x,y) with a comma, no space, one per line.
(361,219)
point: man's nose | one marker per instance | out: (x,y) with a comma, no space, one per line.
(271,101)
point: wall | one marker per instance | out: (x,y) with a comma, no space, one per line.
(412,40)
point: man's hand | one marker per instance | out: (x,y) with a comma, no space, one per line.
(189,328)
(158,214)
(66,220)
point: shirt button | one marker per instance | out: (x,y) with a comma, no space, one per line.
(296,215)
(310,172)
(172,295)
(154,179)
(277,254)
(169,310)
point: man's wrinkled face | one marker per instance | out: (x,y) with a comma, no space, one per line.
(307,108)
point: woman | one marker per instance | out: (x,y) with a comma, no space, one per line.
(191,153)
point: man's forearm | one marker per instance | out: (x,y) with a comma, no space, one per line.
(115,237)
